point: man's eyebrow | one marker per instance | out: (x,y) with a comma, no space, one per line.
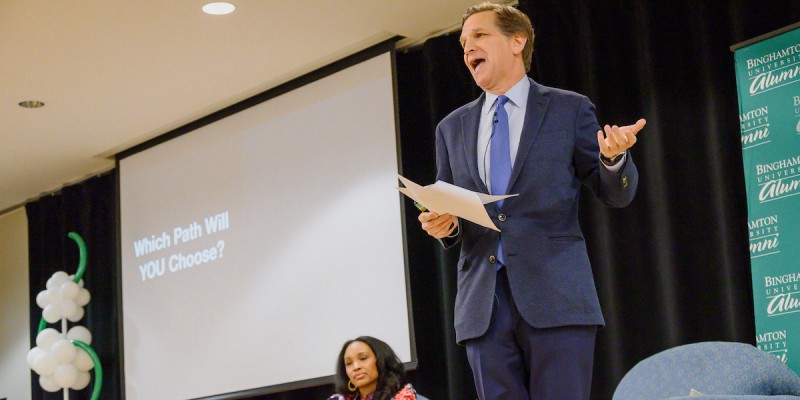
(464,34)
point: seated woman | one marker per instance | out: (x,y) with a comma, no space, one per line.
(368,369)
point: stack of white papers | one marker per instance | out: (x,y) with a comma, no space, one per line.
(445,198)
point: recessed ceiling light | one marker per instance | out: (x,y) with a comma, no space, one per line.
(218,8)
(31,104)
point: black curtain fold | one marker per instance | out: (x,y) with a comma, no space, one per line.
(89,209)
(672,268)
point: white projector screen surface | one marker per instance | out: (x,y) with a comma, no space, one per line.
(253,247)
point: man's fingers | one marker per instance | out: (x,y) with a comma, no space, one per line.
(601,140)
(450,229)
(436,224)
(631,138)
(451,226)
(613,138)
(442,231)
(618,139)
(639,125)
(608,146)
(625,137)
(427,216)
(441,227)
(610,136)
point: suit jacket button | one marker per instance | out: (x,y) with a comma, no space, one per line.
(492,259)
(624,181)
(501,217)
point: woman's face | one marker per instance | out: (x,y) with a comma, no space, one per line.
(360,363)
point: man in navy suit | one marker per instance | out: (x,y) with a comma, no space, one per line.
(526,308)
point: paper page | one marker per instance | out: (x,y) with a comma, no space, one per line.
(444,198)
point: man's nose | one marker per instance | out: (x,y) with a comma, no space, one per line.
(468,47)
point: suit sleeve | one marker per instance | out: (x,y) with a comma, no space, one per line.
(443,171)
(445,174)
(615,189)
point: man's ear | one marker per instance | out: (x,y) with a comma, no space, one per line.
(518,43)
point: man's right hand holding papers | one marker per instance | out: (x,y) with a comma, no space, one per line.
(446,202)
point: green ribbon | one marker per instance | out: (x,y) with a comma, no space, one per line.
(81,268)
(82,255)
(98,368)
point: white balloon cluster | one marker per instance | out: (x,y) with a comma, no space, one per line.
(59,363)
(63,298)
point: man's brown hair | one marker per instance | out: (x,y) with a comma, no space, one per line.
(511,22)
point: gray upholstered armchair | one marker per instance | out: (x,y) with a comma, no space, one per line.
(718,370)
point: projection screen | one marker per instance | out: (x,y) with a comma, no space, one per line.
(254,246)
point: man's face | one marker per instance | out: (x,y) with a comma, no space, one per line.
(490,55)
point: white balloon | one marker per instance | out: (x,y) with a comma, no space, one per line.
(32,354)
(48,384)
(53,296)
(42,300)
(69,290)
(63,351)
(44,364)
(46,338)
(77,315)
(65,375)
(51,314)
(82,361)
(68,308)
(79,332)
(72,278)
(82,381)
(83,297)
(57,279)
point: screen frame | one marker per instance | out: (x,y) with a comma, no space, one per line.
(387,46)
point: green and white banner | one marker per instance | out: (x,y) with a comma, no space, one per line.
(768,80)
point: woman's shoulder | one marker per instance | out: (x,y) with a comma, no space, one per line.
(337,397)
(406,393)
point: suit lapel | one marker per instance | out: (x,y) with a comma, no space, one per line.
(534,115)
(469,129)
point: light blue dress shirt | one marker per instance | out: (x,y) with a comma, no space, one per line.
(515,107)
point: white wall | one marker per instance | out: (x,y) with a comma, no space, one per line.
(14,319)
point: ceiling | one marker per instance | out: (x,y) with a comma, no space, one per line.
(113,74)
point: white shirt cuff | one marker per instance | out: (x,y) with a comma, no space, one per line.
(616,167)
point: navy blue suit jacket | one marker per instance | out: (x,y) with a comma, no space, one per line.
(544,251)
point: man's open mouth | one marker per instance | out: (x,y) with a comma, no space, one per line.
(476,63)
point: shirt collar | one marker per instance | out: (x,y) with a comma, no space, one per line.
(517,95)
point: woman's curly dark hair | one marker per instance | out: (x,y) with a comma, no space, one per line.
(391,373)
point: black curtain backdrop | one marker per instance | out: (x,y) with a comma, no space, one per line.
(672,268)
(88,209)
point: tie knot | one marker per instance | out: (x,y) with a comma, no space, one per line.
(501,100)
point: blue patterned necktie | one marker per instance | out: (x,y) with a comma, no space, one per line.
(500,160)
(500,152)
